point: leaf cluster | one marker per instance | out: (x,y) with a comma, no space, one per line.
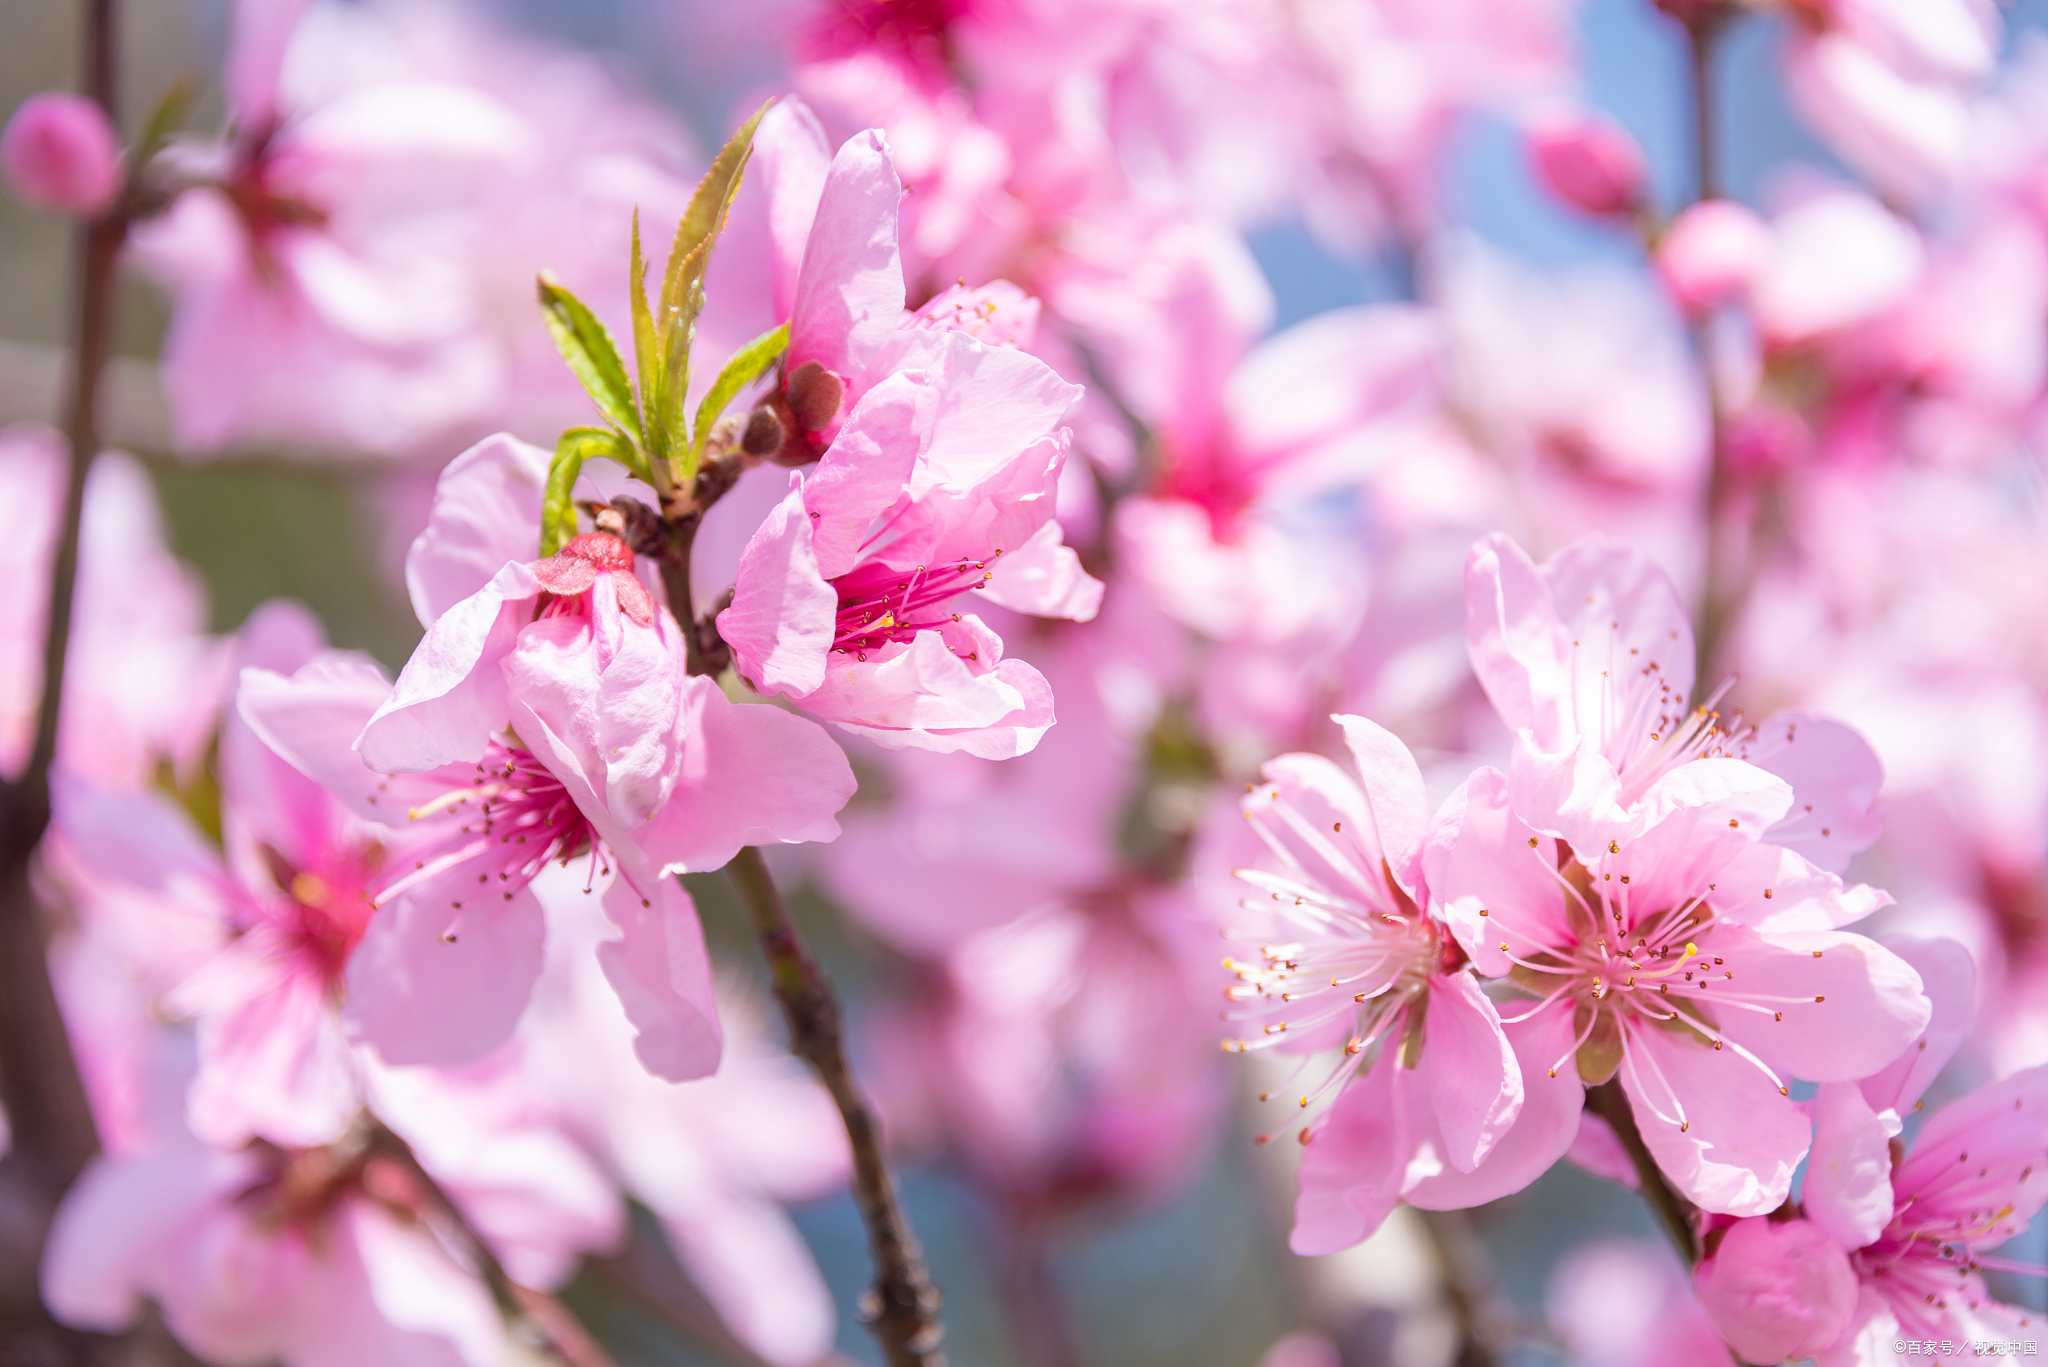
(646,428)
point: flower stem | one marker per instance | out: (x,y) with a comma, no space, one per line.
(1610,1103)
(902,1308)
(1486,1323)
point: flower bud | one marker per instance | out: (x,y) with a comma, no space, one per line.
(763,435)
(1777,1291)
(1711,252)
(815,395)
(1588,161)
(60,152)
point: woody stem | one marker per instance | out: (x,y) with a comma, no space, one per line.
(1610,1103)
(902,1308)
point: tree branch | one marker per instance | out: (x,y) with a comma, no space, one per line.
(1610,1103)
(901,1309)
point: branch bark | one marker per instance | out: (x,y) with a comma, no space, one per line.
(902,1308)
(1676,1213)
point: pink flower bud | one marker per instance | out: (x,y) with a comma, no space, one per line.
(1777,1291)
(1588,161)
(1711,252)
(60,153)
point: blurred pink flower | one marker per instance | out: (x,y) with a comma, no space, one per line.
(60,152)
(1588,161)
(1625,1303)
(143,683)
(1711,253)
(1776,1289)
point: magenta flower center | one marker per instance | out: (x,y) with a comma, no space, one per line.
(879,604)
(508,823)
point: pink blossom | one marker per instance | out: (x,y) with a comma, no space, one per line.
(1588,161)
(142,683)
(1427,1084)
(939,480)
(353,271)
(60,152)
(1690,922)
(1711,252)
(566,728)
(310,1257)
(1626,1303)
(1776,1289)
(1589,659)
(1838,258)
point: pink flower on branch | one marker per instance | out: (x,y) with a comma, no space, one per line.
(546,717)
(1428,1083)
(939,481)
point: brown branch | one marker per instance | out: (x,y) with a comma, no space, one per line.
(902,1308)
(1676,1213)
(535,1316)
(1487,1325)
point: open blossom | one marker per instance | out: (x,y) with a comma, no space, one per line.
(1701,965)
(938,481)
(312,1257)
(1589,660)
(1428,1082)
(546,717)
(1909,1230)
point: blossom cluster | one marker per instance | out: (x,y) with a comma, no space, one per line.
(1584,716)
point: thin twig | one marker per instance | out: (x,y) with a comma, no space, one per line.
(902,1308)
(544,1321)
(1610,1103)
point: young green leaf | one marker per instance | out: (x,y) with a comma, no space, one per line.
(682,286)
(588,348)
(747,365)
(558,504)
(646,356)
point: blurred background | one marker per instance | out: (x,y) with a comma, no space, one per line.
(1198,1277)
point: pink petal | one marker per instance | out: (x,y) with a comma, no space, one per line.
(312,720)
(1044,578)
(436,986)
(1489,870)
(867,467)
(387,1293)
(1948,975)
(1874,1007)
(1353,1170)
(752,775)
(1395,796)
(486,515)
(663,977)
(924,695)
(781,622)
(1541,1132)
(1740,1139)
(792,159)
(849,294)
(1835,778)
(1474,1083)
(601,697)
(274,1064)
(1848,1187)
(1598,1150)
(451,698)
(1777,1291)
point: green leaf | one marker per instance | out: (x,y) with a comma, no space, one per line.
(588,348)
(747,365)
(682,285)
(558,503)
(646,355)
(163,121)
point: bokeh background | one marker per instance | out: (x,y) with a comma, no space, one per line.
(1203,1278)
